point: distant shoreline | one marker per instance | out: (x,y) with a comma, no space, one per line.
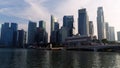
(82,48)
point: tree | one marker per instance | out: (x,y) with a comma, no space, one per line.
(104,41)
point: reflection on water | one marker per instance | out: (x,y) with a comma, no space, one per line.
(22,58)
(12,58)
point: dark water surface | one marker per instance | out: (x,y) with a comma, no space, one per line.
(23,58)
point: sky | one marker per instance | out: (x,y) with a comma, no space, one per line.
(21,11)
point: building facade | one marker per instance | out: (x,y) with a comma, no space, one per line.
(101,24)
(52,22)
(83,23)
(21,40)
(14,27)
(77,41)
(111,34)
(32,26)
(107,31)
(91,28)
(55,37)
(68,23)
(4,30)
(9,34)
(42,24)
(118,36)
(55,34)
(52,27)
(41,36)
(63,34)
(56,26)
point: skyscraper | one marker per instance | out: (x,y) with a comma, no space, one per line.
(83,23)
(8,34)
(111,34)
(55,37)
(41,36)
(4,30)
(107,31)
(91,28)
(55,34)
(101,24)
(14,27)
(21,38)
(42,24)
(52,22)
(56,26)
(68,23)
(63,34)
(118,36)
(31,32)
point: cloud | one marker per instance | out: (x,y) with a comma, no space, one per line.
(35,11)
(10,11)
(3,9)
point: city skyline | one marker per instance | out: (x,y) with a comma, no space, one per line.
(59,33)
(41,10)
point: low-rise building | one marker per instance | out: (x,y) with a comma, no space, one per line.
(77,41)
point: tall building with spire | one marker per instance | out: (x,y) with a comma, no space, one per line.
(101,24)
(83,23)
